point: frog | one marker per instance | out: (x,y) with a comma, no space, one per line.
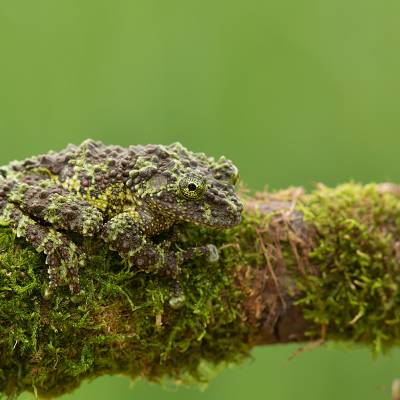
(127,197)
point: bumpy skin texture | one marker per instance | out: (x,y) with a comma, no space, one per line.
(126,196)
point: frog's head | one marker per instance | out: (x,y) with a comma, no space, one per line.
(187,186)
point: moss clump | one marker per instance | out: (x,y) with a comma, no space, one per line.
(130,323)
(354,293)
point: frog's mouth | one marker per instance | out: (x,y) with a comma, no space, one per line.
(225,214)
(217,223)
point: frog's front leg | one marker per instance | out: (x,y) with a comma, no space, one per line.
(58,208)
(125,235)
(63,256)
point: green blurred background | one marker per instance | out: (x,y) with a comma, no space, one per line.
(294,92)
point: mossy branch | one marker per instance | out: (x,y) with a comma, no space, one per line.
(319,266)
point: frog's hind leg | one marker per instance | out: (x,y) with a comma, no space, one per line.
(124,236)
(63,257)
(170,262)
(55,206)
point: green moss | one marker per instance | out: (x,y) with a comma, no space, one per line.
(344,258)
(355,293)
(136,324)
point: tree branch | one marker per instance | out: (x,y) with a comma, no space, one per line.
(300,267)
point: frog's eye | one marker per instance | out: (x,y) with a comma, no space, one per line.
(192,186)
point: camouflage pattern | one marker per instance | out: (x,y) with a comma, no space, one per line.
(125,196)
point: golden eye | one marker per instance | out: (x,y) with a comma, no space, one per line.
(192,186)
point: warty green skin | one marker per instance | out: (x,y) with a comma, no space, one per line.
(130,197)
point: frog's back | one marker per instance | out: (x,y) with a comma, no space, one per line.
(94,164)
(62,163)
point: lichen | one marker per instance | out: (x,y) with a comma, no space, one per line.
(354,295)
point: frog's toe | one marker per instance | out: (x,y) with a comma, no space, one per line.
(213,253)
(78,297)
